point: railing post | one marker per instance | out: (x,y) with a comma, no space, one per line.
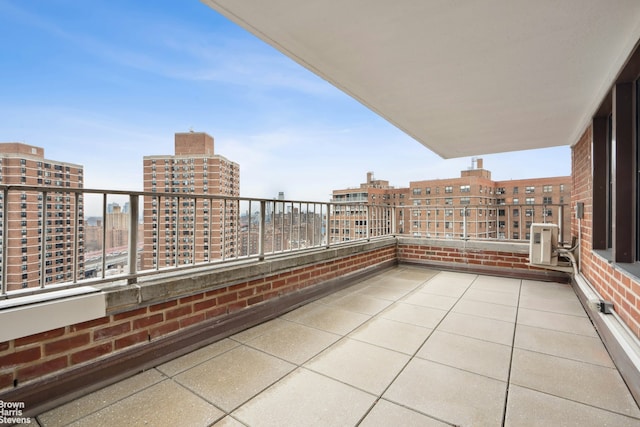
(176,239)
(104,235)
(43,261)
(464,223)
(156,257)
(133,236)
(368,222)
(327,231)
(393,220)
(299,224)
(5,219)
(291,226)
(76,229)
(261,230)
(561,222)
(223,232)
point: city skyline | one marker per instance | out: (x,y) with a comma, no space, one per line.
(108,83)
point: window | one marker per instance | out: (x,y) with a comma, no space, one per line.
(530,190)
(427,190)
(448,189)
(547,200)
(547,188)
(500,190)
(516,200)
(465,188)
(529,201)
(417,191)
(562,188)
(448,201)
(515,190)
(465,200)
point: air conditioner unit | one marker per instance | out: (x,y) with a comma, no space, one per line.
(543,244)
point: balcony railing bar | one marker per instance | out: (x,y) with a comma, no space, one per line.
(5,215)
(104,237)
(44,234)
(76,232)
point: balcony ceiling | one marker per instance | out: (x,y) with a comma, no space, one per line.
(462,77)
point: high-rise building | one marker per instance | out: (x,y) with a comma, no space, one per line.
(36,221)
(363,212)
(472,203)
(483,208)
(179,229)
(117,227)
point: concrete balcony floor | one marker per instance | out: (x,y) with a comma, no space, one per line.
(409,346)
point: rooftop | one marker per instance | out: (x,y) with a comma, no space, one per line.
(408,346)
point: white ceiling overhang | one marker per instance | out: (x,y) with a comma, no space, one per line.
(463,77)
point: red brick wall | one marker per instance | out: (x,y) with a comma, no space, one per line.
(610,282)
(470,257)
(28,358)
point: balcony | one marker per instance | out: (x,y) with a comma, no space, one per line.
(284,306)
(407,346)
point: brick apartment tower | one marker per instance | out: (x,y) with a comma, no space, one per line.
(494,209)
(22,164)
(202,224)
(437,207)
(351,222)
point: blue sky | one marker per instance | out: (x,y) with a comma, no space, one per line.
(103,83)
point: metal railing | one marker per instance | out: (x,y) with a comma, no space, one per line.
(477,222)
(54,238)
(50,239)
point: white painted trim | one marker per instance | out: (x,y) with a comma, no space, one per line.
(48,311)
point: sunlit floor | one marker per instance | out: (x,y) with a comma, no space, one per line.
(410,346)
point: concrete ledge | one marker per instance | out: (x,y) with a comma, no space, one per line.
(163,287)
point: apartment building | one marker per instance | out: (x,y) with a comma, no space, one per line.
(182,229)
(116,230)
(363,210)
(475,206)
(472,205)
(37,219)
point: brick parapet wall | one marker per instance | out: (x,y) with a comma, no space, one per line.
(491,257)
(33,357)
(610,281)
(408,253)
